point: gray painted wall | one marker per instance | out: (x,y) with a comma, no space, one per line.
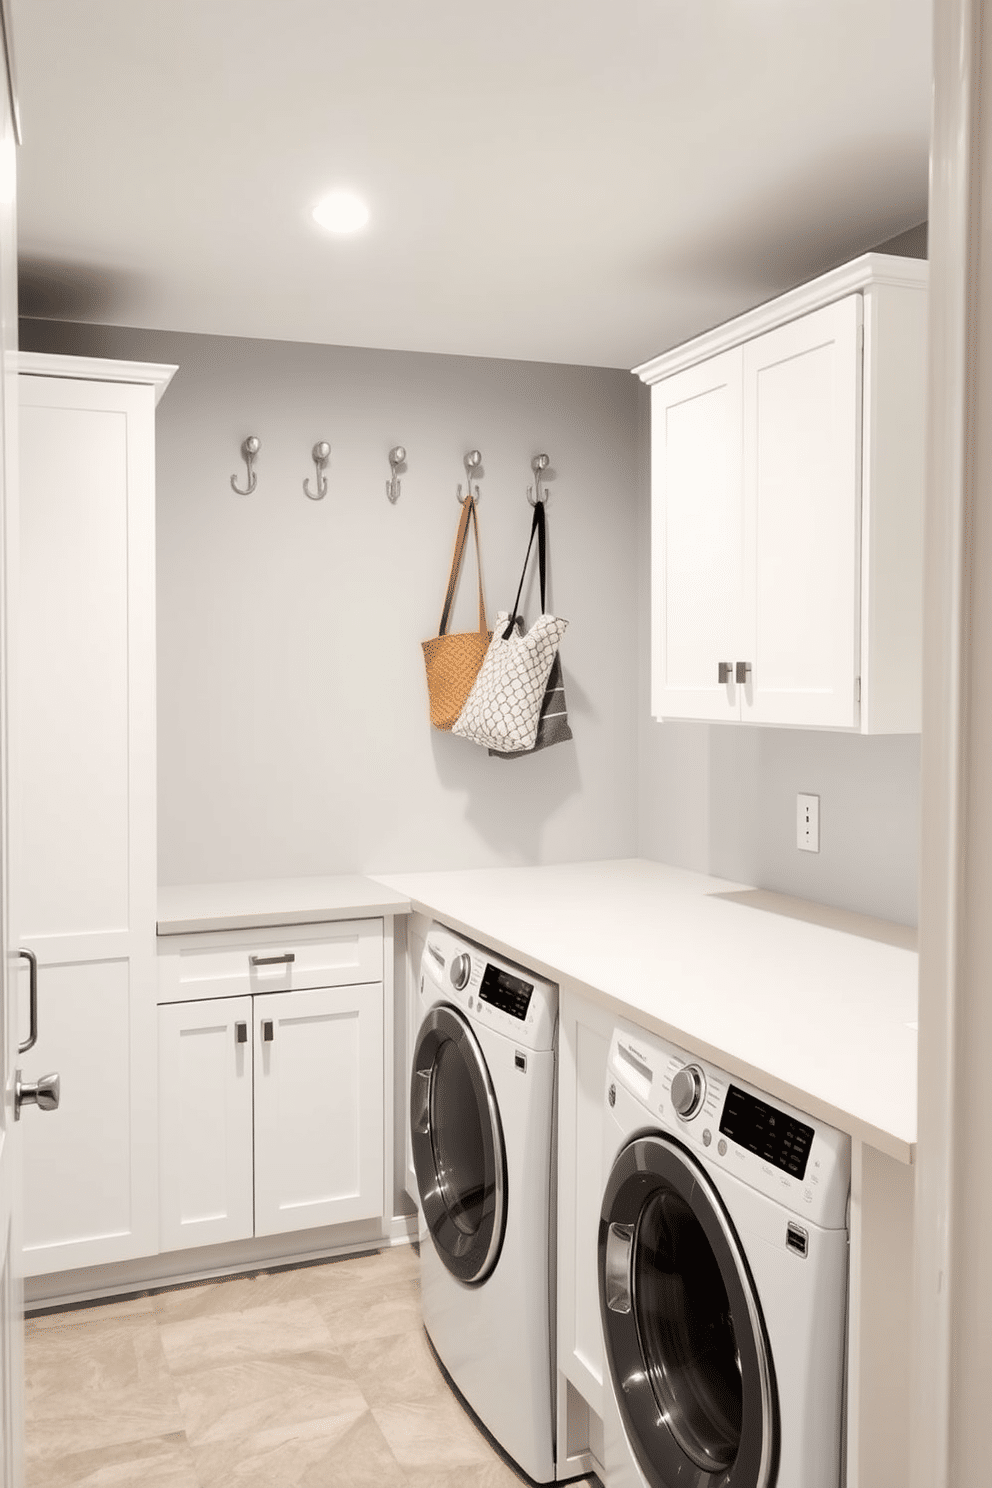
(293,733)
(721,799)
(293,729)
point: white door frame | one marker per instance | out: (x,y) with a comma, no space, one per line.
(953,1281)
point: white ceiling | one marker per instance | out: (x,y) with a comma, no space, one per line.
(560,180)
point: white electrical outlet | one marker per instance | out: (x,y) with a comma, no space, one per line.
(808,823)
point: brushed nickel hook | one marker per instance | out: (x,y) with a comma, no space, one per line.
(397,461)
(320,454)
(472,462)
(539,465)
(249,450)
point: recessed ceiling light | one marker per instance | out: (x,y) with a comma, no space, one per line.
(341,212)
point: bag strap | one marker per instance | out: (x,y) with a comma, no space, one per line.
(461,539)
(536,526)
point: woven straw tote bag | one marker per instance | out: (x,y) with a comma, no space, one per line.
(453,661)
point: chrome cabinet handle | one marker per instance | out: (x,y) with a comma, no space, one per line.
(724,672)
(285,959)
(32,1037)
(241,1033)
(268,1033)
(45,1094)
(743,672)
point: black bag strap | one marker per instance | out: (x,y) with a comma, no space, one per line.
(461,539)
(536,526)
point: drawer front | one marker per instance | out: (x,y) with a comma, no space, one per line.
(238,963)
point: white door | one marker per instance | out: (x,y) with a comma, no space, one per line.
(697,539)
(205,1122)
(802,490)
(11,1331)
(318,1108)
(86,875)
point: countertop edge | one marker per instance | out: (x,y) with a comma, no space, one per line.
(248,906)
(901,1148)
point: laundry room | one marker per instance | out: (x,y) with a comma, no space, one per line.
(410,1097)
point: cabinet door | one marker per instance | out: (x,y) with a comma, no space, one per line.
(584,1032)
(318,1108)
(697,539)
(205,1122)
(802,486)
(86,870)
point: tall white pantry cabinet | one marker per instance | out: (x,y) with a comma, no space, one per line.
(86,862)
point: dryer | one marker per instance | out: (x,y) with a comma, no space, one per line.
(723,1264)
(482,1126)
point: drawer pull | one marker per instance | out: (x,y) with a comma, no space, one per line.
(268,1033)
(241,1033)
(285,959)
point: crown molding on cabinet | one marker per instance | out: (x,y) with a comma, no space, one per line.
(96,369)
(861,273)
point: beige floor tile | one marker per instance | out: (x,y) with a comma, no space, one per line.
(204,1299)
(264,1394)
(102,1312)
(163,1462)
(97,1385)
(433,1434)
(492,1474)
(395,1369)
(383,1269)
(336,1452)
(361,1303)
(254,1333)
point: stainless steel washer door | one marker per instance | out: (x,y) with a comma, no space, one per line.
(458,1150)
(686,1344)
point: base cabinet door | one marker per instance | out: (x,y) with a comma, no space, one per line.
(271,1113)
(205,1133)
(318,1108)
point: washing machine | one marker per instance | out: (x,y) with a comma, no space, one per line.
(482,1132)
(723,1264)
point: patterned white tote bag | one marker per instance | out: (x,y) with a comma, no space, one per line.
(504,707)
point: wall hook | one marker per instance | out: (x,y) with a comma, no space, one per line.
(320,454)
(397,461)
(539,465)
(473,461)
(249,450)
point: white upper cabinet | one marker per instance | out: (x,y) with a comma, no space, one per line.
(787,495)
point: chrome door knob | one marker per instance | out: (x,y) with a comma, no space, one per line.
(45,1094)
(461,970)
(688,1090)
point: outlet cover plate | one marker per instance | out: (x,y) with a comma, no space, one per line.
(808,823)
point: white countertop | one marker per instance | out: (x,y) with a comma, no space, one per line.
(813,1005)
(188,908)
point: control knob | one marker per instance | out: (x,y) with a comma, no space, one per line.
(461,970)
(688,1090)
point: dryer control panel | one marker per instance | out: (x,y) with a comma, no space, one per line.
(493,992)
(729,1124)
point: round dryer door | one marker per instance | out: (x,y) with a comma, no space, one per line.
(685,1341)
(457,1143)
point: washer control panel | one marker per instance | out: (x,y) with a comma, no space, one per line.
(764,1142)
(492,991)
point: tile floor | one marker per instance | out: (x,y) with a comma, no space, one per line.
(317,1377)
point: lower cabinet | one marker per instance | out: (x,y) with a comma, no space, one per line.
(584,1033)
(271,1113)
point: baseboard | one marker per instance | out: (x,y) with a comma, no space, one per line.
(60,1289)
